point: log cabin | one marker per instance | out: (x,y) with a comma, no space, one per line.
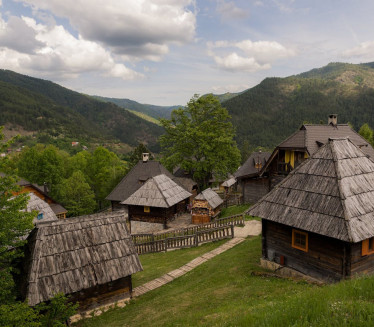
(304,143)
(253,186)
(158,201)
(206,206)
(42,193)
(90,258)
(320,219)
(138,175)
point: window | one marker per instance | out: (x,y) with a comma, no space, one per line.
(300,240)
(147,209)
(367,246)
(40,216)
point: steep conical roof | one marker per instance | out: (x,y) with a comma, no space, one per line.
(331,194)
(159,191)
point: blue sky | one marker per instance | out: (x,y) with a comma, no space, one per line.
(164,51)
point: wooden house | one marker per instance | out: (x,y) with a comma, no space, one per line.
(320,219)
(42,193)
(137,176)
(158,201)
(43,209)
(304,143)
(91,258)
(206,206)
(253,186)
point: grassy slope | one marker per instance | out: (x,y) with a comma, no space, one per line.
(145,117)
(223,292)
(220,292)
(168,261)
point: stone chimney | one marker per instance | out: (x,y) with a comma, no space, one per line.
(333,120)
(145,157)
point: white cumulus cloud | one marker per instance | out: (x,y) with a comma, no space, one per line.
(228,9)
(364,51)
(53,51)
(141,29)
(247,55)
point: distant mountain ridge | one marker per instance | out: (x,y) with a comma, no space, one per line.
(269,112)
(75,114)
(149,109)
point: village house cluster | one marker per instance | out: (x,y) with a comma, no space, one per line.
(314,193)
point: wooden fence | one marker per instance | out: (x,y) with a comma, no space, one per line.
(234,220)
(185,241)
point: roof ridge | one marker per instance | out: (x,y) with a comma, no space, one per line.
(339,178)
(158,187)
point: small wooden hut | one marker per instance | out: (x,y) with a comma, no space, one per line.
(253,186)
(43,209)
(157,201)
(91,258)
(320,219)
(206,206)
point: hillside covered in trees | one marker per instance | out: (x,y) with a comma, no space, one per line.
(45,107)
(269,112)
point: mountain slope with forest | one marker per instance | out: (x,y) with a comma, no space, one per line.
(271,111)
(94,117)
(148,109)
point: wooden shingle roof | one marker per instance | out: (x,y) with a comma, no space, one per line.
(249,167)
(42,207)
(331,194)
(134,179)
(211,197)
(159,191)
(74,254)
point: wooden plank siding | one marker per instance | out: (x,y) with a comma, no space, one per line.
(326,258)
(254,189)
(361,264)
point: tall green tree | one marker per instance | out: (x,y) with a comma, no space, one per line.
(15,222)
(200,139)
(41,164)
(76,195)
(367,133)
(104,170)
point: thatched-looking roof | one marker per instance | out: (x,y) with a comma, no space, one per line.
(74,254)
(331,194)
(134,179)
(229,182)
(252,165)
(44,210)
(159,191)
(211,197)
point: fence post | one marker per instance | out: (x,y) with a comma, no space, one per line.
(232,231)
(196,239)
(165,244)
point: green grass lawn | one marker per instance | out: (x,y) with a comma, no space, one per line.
(235,210)
(224,292)
(157,264)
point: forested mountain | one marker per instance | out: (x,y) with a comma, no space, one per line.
(269,112)
(43,106)
(149,109)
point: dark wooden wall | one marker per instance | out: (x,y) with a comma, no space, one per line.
(103,294)
(326,258)
(116,205)
(156,215)
(254,189)
(361,264)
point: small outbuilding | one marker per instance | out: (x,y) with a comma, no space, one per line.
(158,201)
(206,206)
(91,258)
(320,219)
(253,186)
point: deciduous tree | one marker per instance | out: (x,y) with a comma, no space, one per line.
(200,139)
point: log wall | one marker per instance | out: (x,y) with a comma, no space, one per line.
(326,258)
(103,294)
(361,264)
(254,189)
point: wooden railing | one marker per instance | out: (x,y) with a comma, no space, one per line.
(179,242)
(234,220)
